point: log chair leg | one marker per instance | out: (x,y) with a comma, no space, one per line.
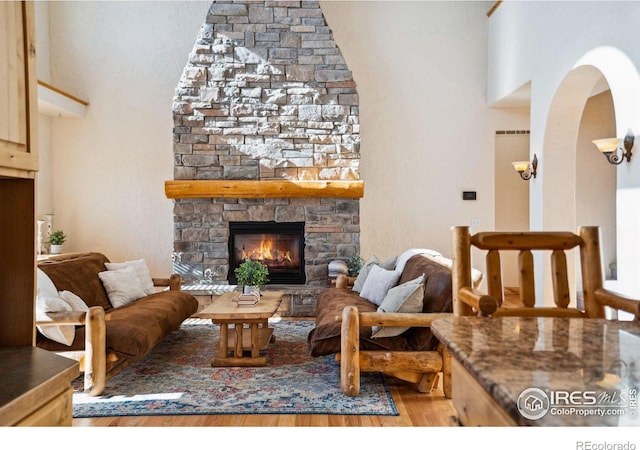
(95,364)
(428,382)
(350,352)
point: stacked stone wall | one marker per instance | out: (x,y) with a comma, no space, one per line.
(266,94)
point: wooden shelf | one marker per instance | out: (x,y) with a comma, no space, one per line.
(263,188)
(54,102)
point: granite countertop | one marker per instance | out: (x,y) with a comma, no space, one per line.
(587,369)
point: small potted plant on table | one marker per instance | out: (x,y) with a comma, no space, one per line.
(56,239)
(252,275)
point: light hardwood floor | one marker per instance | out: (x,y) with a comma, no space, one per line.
(416,409)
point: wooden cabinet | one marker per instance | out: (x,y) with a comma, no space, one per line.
(18,90)
(17,265)
(36,387)
(36,384)
(474,406)
(18,165)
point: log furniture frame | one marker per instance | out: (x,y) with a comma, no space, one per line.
(595,297)
(95,361)
(419,368)
(256,336)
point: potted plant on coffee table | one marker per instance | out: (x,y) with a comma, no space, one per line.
(252,275)
(56,239)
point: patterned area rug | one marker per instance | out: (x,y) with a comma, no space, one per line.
(176,378)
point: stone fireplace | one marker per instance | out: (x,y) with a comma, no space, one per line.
(278,245)
(266,130)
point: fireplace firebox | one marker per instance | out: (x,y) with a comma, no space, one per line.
(278,245)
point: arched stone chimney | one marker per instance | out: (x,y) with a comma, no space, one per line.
(266,95)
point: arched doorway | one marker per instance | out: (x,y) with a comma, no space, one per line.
(579,187)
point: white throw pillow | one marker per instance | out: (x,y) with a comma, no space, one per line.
(405,298)
(364,272)
(122,286)
(142,272)
(389,263)
(45,284)
(74,301)
(46,302)
(378,284)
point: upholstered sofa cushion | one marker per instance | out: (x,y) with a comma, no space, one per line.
(78,273)
(324,339)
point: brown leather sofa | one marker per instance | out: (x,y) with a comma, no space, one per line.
(324,339)
(344,327)
(107,338)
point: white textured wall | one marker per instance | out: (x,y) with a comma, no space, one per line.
(563,64)
(109,168)
(512,197)
(596,179)
(427,133)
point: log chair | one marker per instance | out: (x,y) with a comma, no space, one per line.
(595,297)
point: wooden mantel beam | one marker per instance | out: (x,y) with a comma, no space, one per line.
(263,188)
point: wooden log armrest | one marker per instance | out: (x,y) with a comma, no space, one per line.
(404,364)
(344,281)
(618,301)
(95,358)
(484,305)
(369,319)
(174,282)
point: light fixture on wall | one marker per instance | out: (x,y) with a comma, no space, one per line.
(527,169)
(610,146)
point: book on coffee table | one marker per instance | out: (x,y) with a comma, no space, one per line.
(247,299)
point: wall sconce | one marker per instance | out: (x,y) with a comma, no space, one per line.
(610,146)
(527,169)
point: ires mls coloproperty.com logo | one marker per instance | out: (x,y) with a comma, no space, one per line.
(535,403)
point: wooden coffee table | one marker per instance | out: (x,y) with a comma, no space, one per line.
(252,338)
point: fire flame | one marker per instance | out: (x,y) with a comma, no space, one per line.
(265,251)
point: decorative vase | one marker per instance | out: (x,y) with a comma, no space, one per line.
(56,249)
(40,248)
(49,231)
(251,290)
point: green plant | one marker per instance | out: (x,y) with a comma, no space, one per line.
(57,238)
(252,273)
(354,264)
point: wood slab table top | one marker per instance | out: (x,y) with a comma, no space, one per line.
(224,307)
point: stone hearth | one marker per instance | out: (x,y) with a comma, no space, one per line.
(266,95)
